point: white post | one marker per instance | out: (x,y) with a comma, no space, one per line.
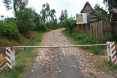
(109,51)
(13,57)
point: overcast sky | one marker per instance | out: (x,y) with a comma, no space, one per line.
(72,6)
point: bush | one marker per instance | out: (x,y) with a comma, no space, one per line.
(9,30)
(53,26)
(69,25)
(41,27)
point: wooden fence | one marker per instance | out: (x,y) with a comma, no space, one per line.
(101,30)
(115,29)
(82,28)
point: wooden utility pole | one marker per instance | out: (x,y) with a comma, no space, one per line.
(86,27)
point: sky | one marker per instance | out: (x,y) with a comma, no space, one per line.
(72,6)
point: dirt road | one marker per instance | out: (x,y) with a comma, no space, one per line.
(62,62)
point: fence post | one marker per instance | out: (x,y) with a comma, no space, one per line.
(111,51)
(102,30)
(10,57)
(90,29)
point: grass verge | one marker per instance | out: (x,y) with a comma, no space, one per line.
(83,39)
(107,66)
(23,58)
(86,38)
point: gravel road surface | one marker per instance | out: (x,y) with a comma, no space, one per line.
(70,62)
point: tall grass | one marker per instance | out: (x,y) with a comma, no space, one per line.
(86,38)
(106,66)
(23,59)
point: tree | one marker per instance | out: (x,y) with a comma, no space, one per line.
(17,6)
(100,12)
(2,16)
(110,4)
(7,4)
(52,14)
(45,12)
(70,24)
(64,15)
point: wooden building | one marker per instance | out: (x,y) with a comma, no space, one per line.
(114,15)
(90,16)
(89,11)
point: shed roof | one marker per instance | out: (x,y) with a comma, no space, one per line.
(86,4)
(89,11)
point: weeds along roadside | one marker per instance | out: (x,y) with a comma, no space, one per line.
(23,58)
(85,38)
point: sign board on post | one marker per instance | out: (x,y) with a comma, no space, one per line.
(81,18)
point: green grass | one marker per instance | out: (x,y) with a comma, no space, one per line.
(23,58)
(106,66)
(84,39)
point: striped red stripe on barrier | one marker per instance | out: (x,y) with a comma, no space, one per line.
(8,57)
(113,52)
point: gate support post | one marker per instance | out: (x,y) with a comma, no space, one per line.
(111,51)
(10,57)
(13,57)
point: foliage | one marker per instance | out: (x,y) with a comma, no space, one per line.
(45,12)
(23,15)
(100,12)
(41,27)
(52,24)
(16,5)
(64,16)
(106,66)
(86,38)
(48,16)
(1,23)
(26,20)
(23,58)
(52,15)
(7,4)
(9,30)
(69,24)
(110,4)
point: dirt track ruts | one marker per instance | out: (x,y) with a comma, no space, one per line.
(62,62)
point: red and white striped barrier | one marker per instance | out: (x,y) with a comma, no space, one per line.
(111,49)
(113,52)
(10,57)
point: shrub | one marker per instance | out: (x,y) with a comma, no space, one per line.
(69,25)
(41,27)
(9,30)
(53,26)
